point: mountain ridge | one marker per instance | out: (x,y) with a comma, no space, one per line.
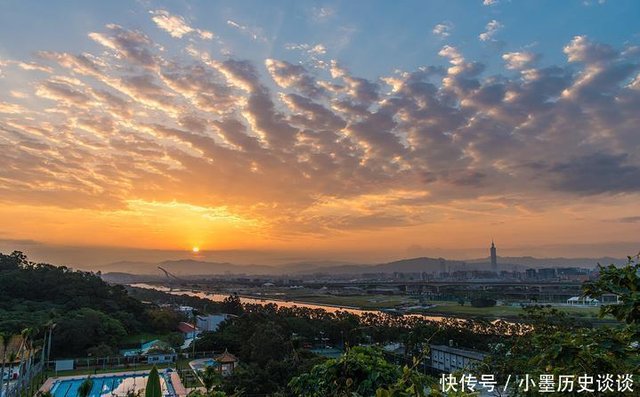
(190,267)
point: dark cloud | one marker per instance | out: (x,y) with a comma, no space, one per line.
(629,219)
(597,173)
(18,242)
(135,122)
(288,75)
(131,45)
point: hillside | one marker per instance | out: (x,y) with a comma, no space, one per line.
(87,312)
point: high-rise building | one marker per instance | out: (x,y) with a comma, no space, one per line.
(494,257)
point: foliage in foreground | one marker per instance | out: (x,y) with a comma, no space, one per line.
(361,371)
(555,345)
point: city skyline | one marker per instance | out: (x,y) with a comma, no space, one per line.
(315,131)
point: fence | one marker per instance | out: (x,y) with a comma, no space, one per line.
(123,362)
(33,375)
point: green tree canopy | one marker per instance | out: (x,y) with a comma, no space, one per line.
(554,345)
(358,372)
(623,282)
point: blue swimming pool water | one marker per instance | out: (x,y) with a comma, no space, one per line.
(107,386)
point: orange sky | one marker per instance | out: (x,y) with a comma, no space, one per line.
(160,139)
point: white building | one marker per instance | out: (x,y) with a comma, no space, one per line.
(186,310)
(582,301)
(449,359)
(211,322)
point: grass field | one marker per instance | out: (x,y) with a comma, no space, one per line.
(356,301)
(454,308)
(443,308)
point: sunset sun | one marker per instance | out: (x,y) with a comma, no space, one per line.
(195,250)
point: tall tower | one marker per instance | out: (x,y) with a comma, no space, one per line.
(494,257)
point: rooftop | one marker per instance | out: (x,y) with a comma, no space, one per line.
(226,357)
(186,327)
(474,354)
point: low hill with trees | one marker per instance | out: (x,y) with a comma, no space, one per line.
(86,311)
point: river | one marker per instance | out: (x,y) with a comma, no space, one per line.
(279,303)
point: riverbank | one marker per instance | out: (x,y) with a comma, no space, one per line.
(436,308)
(360,304)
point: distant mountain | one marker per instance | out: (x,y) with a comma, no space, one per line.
(127,278)
(186,267)
(312,266)
(339,269)
(417,265)
(130,267)
(190,267)
(412,265)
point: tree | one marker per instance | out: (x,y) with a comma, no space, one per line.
(623,282)
(211,377)
(483,302)
(268,343)
(564,347)
(411,384)
(164,320)
(358,372)
(4,339)
(101,350)
(84,328)
(85,387)
(153,384)
(232,305)
(12,262)
(175,339)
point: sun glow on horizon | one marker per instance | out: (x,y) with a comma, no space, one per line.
(195,250)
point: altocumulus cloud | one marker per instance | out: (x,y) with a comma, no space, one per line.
(281,141)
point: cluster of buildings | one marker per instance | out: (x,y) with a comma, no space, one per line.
(490,271)
(160,352)
(201,323)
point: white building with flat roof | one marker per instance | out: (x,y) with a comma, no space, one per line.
(211,322)
(582,301)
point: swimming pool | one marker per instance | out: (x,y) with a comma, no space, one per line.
(110,385)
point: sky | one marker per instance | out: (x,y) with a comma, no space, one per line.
(340,130)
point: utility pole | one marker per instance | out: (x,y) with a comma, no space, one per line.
(193,345)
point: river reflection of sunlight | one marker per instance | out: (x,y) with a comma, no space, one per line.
(288,303)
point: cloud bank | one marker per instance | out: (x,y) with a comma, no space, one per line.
(314,151)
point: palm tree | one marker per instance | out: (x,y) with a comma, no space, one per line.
(25,350)
(20,355)
(5,345)
(211,377)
